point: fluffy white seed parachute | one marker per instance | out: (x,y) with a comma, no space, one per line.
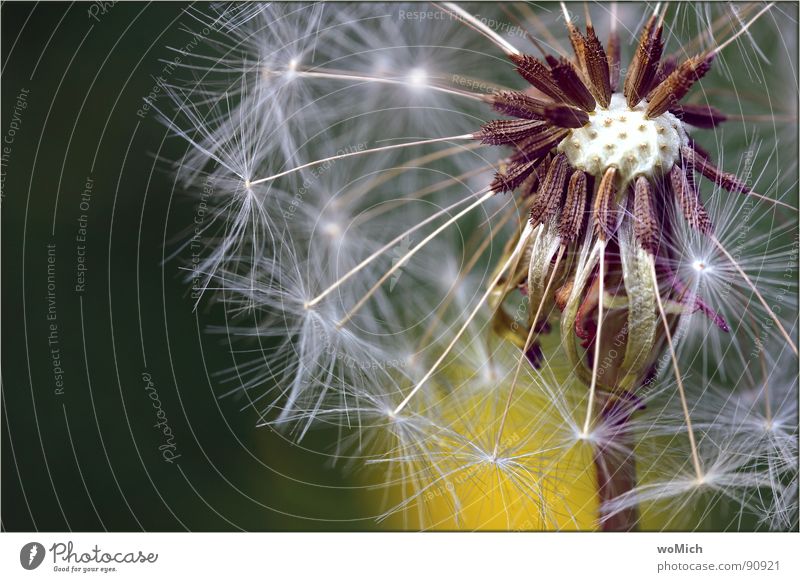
(357,250)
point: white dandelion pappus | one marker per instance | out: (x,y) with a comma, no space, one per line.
(523,391)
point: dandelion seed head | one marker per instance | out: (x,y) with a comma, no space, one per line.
(625,138)
(317,347)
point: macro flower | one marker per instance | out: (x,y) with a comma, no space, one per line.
(573,358)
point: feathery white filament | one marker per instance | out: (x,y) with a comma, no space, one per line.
(415,79)
(359,153)
(511,259)
(744,28)
(482,28)
(597,340)
(698,468)
(760,297)
(394,241)
(399,263)
(524,355)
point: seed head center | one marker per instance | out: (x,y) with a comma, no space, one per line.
(625,138)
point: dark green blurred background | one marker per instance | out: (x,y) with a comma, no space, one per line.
(88,459)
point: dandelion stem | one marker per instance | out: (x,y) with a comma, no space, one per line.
(596,359)
(480,27)
(485,195)
(757,293)
(526,234)
(404,259)
(349,76)
(678,380)
(615,464)
(525,349)
(465,136)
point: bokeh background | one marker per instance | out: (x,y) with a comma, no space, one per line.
(85,456)
(89,459)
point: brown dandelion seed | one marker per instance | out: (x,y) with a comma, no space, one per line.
(665,69)
(597,68)
(645,222)
(517,104)
(689,201)
(574,90)
(565,116)
(515,175)
(702,116)
(571,222)
(644,65)
(531,183)
(726,180)
(509,131)
(538,145)
(604,213)
(548,198)
(578,43)
(538,74)
(675,87)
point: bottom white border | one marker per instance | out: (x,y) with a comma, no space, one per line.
(401,556)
